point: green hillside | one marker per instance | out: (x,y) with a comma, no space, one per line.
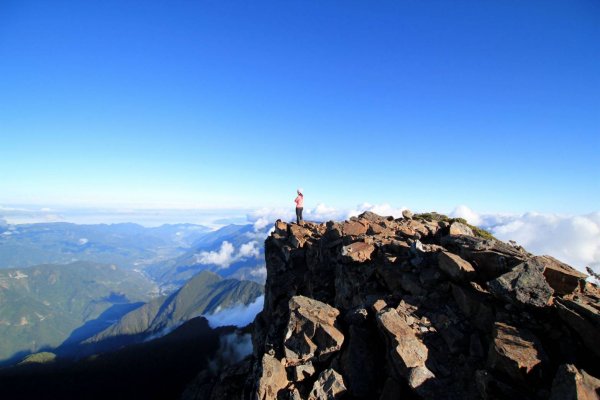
(204,294)
(41,306)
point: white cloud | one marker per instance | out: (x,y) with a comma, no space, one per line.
(465,212)
(227,255)
(260,272)
(240,315)
(261,223)
(235,346)
(381,209)
(573,239)
(263,217)
(249,249)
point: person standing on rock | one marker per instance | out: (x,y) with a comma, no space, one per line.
(299,206)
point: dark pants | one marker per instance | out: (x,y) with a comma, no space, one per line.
(299,214)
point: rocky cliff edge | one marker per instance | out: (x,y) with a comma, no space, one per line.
(416,307)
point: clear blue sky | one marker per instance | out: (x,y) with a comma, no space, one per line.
(426,104)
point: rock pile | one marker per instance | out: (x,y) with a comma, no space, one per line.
(383,308)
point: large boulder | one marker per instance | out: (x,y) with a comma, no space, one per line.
(298,235)
(408,354)
(456,268)
(524,285)
(490,258)
(573,384)
(457,228)
(311,332)
(329,385)
(515,352)
(357,252)
(272,378)
(561,277)
(355,228)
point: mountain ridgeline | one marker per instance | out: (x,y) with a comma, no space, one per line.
(419,307)
(41,307)
(206,293)
(71,305)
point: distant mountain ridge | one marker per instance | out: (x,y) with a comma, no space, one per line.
(175,272)
(41,306)
(204,294)
(127,245)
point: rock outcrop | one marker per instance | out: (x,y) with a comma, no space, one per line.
(384,308)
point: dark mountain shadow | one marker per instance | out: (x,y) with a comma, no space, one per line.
(93,327)
(72,346)
(158,369)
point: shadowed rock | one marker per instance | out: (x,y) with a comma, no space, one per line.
(329,385)
(524,285)
(572,384)
(311,331)
(561,277)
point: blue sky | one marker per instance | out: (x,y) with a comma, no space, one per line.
(424,104)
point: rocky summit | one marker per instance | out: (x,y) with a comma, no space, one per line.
(419,307)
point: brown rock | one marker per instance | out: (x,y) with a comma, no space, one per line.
(311,331)
(407,231)
(560,276)
(515,352)
(457,228)
(281,227)
(408,354)
(302,371)
(272,378)
(354,228)
(329,385)
(373,218)
(407,214)
(572,384)
(490,258)
(357,252)
(378,305)
(455,267)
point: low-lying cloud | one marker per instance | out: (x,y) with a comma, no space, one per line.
(573,239)
(240,315)
(227,255)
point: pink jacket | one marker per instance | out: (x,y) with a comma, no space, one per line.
(299,201)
